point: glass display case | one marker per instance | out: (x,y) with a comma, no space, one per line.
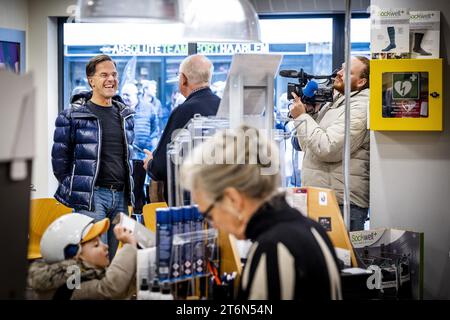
(406,95)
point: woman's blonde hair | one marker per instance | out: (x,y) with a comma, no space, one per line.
(243,158)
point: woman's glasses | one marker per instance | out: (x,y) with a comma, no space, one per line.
(207,213)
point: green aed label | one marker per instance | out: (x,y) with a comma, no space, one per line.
(405,85)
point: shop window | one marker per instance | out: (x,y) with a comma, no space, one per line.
(360,37)
(143,52)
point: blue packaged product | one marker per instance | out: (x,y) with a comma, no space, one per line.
(198,246)
(187,248)
(176,264)
(163,242)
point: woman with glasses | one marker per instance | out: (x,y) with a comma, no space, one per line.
(233,177)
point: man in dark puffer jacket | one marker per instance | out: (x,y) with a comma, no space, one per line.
(92,149)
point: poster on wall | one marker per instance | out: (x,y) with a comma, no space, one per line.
(389,33)
(10,56)
(396,256)
(424,34)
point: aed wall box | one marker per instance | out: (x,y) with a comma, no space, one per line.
(406,95)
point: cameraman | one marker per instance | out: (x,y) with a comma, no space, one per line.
(322,140)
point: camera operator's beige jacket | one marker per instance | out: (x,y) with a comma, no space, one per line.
(322,140)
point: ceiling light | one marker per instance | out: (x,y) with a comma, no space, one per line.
(221,21)
(204,20)
(129,11)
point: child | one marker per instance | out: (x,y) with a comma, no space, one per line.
(74,254)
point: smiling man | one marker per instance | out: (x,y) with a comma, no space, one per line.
(92,149)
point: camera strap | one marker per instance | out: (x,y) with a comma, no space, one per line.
(343,100)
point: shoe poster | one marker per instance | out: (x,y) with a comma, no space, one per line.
(389,33)
(424,34)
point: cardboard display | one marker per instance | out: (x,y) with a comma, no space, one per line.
(397,258)
(321,205)
(389,38)
(424,29)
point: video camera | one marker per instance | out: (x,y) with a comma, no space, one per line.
(309,91)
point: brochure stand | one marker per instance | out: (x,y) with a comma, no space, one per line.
(248,94)
(320,204)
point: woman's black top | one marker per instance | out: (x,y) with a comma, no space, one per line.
(291,257)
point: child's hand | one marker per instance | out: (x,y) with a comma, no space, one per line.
(125,235)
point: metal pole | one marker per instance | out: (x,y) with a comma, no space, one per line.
(347,84)
(269,107)
(170,181)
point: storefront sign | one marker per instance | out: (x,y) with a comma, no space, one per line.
(169,49)
(210,49)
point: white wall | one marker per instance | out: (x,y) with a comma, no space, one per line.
(37,19)
(43,62)
(14,14)
(410,174)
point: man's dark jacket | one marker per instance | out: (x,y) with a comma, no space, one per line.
(77,148)
(203,102)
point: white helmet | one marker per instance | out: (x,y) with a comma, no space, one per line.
(70,229)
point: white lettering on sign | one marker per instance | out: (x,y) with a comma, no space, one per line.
(182,49)
(145,49)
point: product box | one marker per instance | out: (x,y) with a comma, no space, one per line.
(298,198)
(146,266)
(395,256)
(389,33)
(144,237)
(424,29)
